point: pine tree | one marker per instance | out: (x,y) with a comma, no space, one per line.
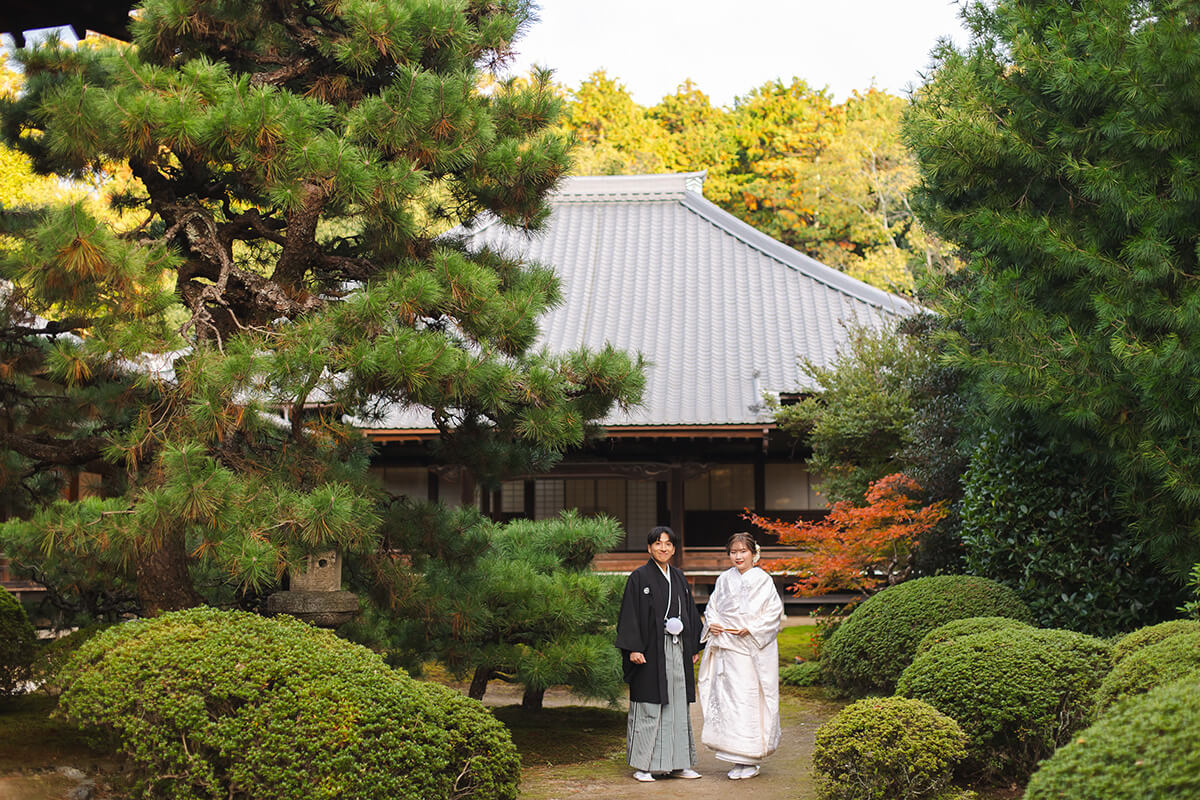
(516,602)
(295,163)
(1059,149)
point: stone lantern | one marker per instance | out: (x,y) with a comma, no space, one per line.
(316,595)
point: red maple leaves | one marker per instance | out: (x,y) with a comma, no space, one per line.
(858,548)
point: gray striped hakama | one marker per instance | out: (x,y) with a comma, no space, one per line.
(660,736)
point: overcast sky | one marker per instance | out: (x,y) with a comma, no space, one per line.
(729,47)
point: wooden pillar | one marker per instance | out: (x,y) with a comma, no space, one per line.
(760,485)
(530,499)
(468,488)
(677,512)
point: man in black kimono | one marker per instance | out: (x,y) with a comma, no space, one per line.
(658,633)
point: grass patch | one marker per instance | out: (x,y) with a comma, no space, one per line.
(31,740)
(797,640)
(564,734)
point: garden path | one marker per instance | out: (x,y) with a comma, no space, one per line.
(786,775)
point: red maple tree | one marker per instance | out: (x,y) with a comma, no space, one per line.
(860,548)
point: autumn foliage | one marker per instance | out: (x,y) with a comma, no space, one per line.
(863,548)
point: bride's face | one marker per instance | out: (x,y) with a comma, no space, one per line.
(741,556)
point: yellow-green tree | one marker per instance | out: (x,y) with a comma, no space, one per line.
(615,133)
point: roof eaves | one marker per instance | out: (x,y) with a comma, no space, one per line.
(794,259)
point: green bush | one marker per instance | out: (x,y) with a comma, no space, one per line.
(966,627)
(1037,519)
(16,644)
(806,674)
(1017,692)
(869,650)
(1152,634)
(1143,749)
(887,748)
(51,656)
(211,704)
(1142,670)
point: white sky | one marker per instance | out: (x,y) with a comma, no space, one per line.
(729,47)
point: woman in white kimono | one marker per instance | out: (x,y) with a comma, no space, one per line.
(739,675)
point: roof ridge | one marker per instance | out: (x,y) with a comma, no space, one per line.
(656,186)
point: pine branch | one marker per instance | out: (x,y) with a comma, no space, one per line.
(54,450)
(51,328)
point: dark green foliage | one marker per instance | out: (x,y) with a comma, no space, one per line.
(937,440)
(1018,693)
(1151,634)
(887,748)
(211,704)
(1147,667)
(869,650)
(1144,749)
(966,627)
(1039,520)
(807,673)
(16,643)
(1058,149)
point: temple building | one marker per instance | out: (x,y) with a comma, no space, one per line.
(722,314)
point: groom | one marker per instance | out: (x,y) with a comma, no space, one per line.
(658,633)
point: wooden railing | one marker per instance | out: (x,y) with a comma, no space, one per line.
(708,561)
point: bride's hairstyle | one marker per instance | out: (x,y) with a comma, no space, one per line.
(746,539)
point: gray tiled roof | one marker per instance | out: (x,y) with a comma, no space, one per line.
(720,311)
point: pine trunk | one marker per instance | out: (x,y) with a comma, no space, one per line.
(532,699)
(479,683)
(163,581)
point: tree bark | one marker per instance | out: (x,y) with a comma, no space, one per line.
(479,683)
(532,699)
(163,581)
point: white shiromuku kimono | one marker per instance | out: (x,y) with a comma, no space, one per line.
(739,675)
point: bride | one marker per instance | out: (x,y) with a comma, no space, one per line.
(739,675)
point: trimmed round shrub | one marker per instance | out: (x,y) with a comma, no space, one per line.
(869,650)
(213,704)
(16,644)
(1152,634)
(887,748)
(805,674)
(1143,749)
(1142,670)
(1018,693)
(966,627)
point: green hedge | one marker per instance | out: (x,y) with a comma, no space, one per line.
(1152,634)
(16,643)
(805,674)
(887,748)
(966,627)
(869,650)
(1143,749)
(212,704)
(1018,693)
(1145,668)
(1036,518)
